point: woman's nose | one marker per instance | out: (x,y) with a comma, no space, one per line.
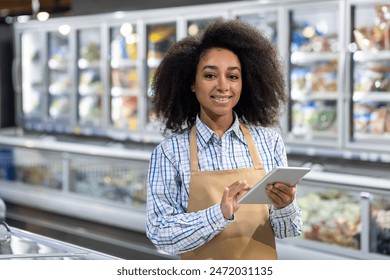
(223,84)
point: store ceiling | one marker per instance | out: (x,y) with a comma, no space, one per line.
(12,8)
(24,7)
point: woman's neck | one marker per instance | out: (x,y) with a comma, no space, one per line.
(219,124)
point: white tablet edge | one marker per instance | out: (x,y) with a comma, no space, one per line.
(256,195)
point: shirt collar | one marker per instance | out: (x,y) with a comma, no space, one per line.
(205,134)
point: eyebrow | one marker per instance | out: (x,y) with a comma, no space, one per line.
(215,67)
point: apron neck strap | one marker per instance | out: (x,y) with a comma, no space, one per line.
(248,138)
(252,147)
(193,149)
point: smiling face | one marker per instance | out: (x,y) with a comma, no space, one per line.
(218,85)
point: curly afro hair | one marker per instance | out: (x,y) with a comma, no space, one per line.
(263,93)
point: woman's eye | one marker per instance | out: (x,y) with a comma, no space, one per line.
(233,77)
(209,76)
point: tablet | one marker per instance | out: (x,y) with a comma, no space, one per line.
(287,175)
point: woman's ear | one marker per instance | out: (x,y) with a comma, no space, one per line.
(193,88)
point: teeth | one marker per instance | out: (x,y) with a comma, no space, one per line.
(221,98)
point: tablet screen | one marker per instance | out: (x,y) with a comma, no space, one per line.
(286,175)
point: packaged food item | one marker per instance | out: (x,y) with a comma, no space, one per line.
(90,82)
(371,117)
(387,120)
(60,86)
(59,107)
(324,77)
(361,117)
(362,40)
(90,51)
(372,77)
(125,78)
(377,36)
(324,118)
(313,116)
(307,37)
(124,112)
(300,78)
(381,28)
(90,110)
(377,120)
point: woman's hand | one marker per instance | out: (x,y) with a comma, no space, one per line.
(281,194)
(230,197)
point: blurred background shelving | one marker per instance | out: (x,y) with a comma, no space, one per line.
(76,153)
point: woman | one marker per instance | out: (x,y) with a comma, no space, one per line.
(219,93)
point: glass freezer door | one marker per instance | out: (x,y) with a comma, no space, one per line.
(159,39)
(266,22)
(90,85)
(313,74)
(370,95)
(196,26)
(125,78)
(33,83)
(59,73)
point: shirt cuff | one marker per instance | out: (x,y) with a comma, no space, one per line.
(214,218)
(288,210)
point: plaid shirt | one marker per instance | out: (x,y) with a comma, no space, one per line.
(173,230)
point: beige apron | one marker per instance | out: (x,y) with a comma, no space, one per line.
(250,236)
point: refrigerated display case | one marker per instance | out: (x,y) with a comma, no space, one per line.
(17,244)
(90,75)
(330,115)
(369,45)
(110,188)
(346,215)
(315,73)
(99,69)
(92,194)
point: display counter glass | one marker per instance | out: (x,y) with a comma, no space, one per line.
(122,182)
(380,225)
(20,244)
(331,215)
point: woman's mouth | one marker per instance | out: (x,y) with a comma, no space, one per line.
(221,98)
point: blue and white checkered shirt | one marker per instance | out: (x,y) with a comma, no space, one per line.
(173,230)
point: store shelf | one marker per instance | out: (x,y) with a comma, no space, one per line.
(87,147)
(307,58)
(359,96)
(366,56)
